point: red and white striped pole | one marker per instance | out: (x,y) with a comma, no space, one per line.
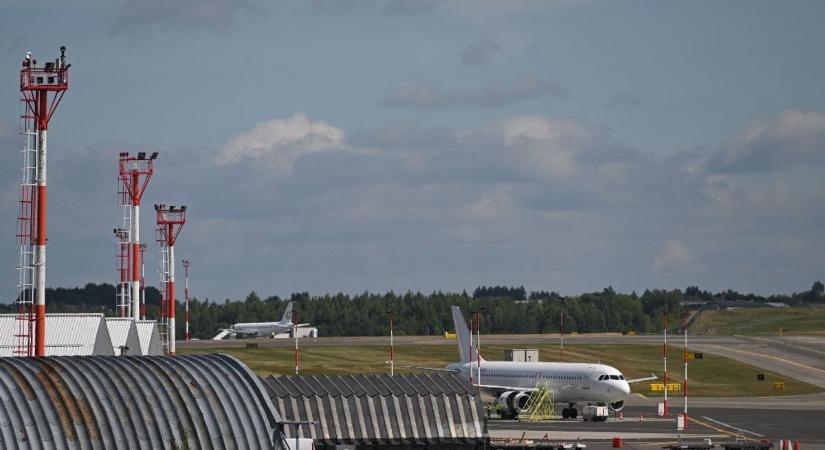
(686,373)
(136,192)
(40,243)
(471,349)
(142,282)
(664,361)
(186,335)
(170,286)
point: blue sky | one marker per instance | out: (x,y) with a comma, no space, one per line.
(351,145)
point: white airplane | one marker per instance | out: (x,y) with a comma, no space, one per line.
(510,383)
(260,329)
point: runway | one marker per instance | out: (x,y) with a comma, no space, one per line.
(641,428)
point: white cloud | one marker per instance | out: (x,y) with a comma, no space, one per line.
(793,138)
(279,143)
(674,253)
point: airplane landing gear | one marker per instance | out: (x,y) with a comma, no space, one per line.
(569,413)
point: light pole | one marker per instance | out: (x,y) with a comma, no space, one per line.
(470,366)
(664,358)
(392,346)
(295,334)
(685,420)
(561,332)
(478,341)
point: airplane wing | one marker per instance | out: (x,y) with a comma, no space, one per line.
(435,369)
(223,333)
(494,387)
(639,380)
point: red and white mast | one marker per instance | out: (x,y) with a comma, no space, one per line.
(186,335)
(170,221)
(41,89)
(142,282)
(686,367)
(664,360)
(135,172)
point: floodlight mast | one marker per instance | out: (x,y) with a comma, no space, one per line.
(41,90)
(135,172)
(170,221)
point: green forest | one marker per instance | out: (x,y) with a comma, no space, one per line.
(504,309)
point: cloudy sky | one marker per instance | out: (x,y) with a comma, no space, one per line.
(351,145)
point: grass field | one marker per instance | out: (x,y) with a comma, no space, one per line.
(711,376)
(761,321)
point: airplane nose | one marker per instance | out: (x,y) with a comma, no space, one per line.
(625,387)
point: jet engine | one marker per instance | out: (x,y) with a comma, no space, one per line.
(512,402)
(617,406)
(505,404)
(520,401)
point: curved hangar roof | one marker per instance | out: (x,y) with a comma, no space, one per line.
(147,402)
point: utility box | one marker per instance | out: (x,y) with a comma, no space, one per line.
(522,355)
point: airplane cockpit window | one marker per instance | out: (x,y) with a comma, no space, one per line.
(621,377)
(614,377)
(601,377)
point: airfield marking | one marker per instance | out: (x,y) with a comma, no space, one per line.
(721,430)
(788,344)
(732,427)
(762,355)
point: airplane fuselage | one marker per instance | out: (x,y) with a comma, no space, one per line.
(253,329)
(581,383)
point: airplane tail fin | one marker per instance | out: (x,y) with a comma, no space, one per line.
(464,338)
(287,317)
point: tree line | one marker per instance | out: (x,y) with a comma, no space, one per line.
(502,309)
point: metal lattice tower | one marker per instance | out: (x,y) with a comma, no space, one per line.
(25,232)
(41,90)
(134,173)
(170,221)
(123,260)
(122,293)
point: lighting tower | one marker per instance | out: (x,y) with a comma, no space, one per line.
(170,221)
(134,173)
(186,335)
(41,89)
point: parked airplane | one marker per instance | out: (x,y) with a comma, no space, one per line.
(510,383)
(260,329)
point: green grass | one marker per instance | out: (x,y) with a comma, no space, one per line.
(761,321)
(711,376)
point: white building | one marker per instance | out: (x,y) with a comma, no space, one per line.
(124,336)
(147,331)
(66,335)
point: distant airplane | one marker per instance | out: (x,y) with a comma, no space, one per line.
(259,329)
(510,383)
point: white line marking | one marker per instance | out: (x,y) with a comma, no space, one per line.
(732,427)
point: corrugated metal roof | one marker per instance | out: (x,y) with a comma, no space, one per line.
(414,409)
(123,333)
(66,335)
(192,401)
(149,337)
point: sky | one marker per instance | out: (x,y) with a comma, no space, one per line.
(371,145)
